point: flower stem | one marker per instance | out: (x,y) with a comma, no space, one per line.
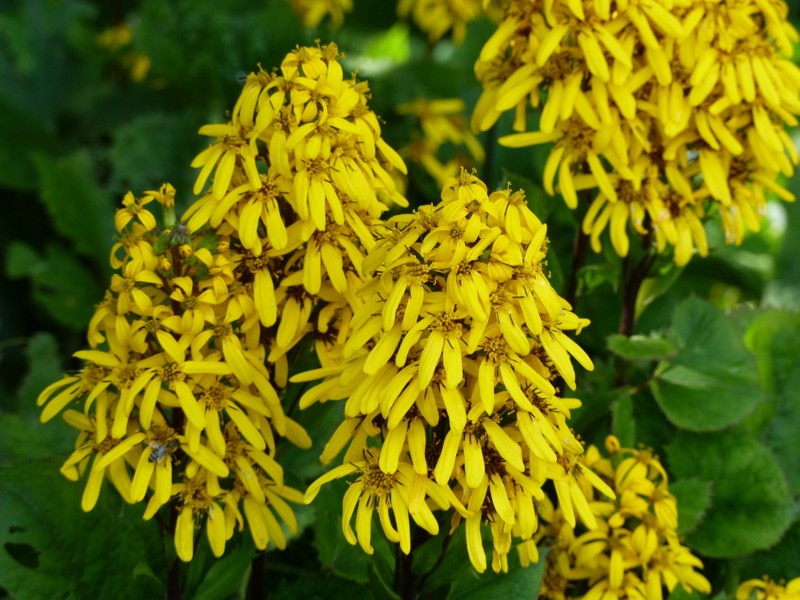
(489,152)
(404,582)
(633,277)
(579,249)
(445,547)
(174,585)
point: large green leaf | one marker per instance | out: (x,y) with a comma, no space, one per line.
(321,586)
(751,505)
(773,337)
(623,423)
(62,286)
(779,562)
(50,549)
(78,208)
(225,576)
(44,368)
(783,432)
(713,382)
(640,347)
(519,582)
(334,553)
(694,498)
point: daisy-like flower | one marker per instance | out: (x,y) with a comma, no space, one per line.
(671,112)
(634,551)
(447,372)
(765,589)
(312,12)
(176,403)
(397,498)
(299,216)
(441,123)
(436,18)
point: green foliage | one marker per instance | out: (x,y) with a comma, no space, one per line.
(751,506)
(518,583)
(76,205)
(48,549)
(713,381)
(639,347)
(62,287)
(694,498)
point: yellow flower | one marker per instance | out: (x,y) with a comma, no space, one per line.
(670,111)
(634,551)
(176,386)
(312,12)
(93,440)
(460,331)
(440,123)
(437,17)
(402,492)
(764,589)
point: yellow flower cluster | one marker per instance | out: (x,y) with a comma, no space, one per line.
(448,379)
(634,552)
(114,39)
(300,176)
(764,589)
(197,324)
(441,124)
(174,399)
(436,18)
(671,109)
(312,12)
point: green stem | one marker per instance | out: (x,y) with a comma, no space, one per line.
(174,584)
(404,583)
(579,250)
(633,277)
(257,589)
(445,547)
(489,147)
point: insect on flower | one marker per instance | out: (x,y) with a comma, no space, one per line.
(162,449)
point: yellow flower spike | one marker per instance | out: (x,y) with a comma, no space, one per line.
(441,359)
(670,79)
(625,553)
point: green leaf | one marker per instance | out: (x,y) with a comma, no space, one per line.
(454,567)
(335,554)
(713,382)
(623,423)
(319,586)
(779,562)
(49,548)
(783,432)
(773,337)
(519,582)
(751,505)
(23,261)
(640,347)
(694,498)
(44,368)
(655,287)
(79,210)
(226,574)
(24,438)
(62,286)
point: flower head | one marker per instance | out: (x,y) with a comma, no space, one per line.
(670,111)
(765,589)
(634,551)
(175,400)
(450,366)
